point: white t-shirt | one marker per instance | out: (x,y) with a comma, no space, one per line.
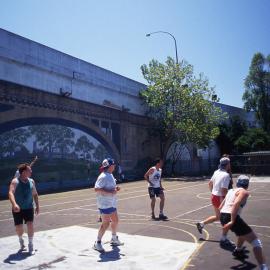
(220,179)
(155,178)
(106,181)
(229,202)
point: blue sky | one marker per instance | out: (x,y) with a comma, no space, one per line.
(218,37)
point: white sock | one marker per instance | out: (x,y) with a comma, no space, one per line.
(223,237)
(98,239)
(21,240)
(263,267)
(30,240)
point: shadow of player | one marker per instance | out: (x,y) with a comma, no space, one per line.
(112,255)
(18,256)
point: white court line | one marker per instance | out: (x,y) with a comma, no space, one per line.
(192,211)
(121,199)
(260,226)
(90,197)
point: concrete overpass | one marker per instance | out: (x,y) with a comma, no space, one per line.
(40,85)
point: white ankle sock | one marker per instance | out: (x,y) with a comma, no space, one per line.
(223,238)
(30,240)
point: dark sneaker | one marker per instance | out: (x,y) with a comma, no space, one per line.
(199,227)
(239,254)
(162,216)
(153,216)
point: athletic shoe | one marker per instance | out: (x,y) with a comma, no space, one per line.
(116,242)
(239,254)
(199,227)
(31,250)
(226,243)
(162,216)
(98,246)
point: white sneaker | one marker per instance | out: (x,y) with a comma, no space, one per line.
(98,246)
(116,242)
(31,250)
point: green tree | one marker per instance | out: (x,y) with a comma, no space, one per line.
(257,89)
(254,139)
(100,153)
(180,104)
(52,137)
(84,146)
(66,140)
(230,131)
(13,139)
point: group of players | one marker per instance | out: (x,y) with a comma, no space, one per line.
(227,203)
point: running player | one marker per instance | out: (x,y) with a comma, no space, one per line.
(106,190)
(218,186)
(155,189)
(230,173)
(22,190)
(230,219)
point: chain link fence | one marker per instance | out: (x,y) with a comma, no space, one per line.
(253,163)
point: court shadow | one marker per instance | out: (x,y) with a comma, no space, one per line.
(244,265)
(112,255)
(15,257)
(208,240)
(227,247)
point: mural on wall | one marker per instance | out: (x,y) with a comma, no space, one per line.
(64,153)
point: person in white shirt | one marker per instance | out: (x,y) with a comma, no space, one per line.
(230,219)
(106,189)
(155,189)
(218,186)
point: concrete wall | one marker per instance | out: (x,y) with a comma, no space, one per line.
(28,63)
(31,64)
(233,111)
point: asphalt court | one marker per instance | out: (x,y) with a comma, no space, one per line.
(68,213)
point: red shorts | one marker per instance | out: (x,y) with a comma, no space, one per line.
(216,200)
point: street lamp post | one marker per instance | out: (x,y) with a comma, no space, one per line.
(175,44)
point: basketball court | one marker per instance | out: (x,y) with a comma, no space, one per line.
(67,228)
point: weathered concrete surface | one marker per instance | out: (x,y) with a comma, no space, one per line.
(70,248)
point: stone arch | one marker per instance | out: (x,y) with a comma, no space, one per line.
(178,164)
(82,125)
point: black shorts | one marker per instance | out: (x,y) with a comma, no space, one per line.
(240,227)
(155,192)
(24,215)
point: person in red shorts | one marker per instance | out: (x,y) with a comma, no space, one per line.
(218,186)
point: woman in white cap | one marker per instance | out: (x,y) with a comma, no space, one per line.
(230,219)
(106,190)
